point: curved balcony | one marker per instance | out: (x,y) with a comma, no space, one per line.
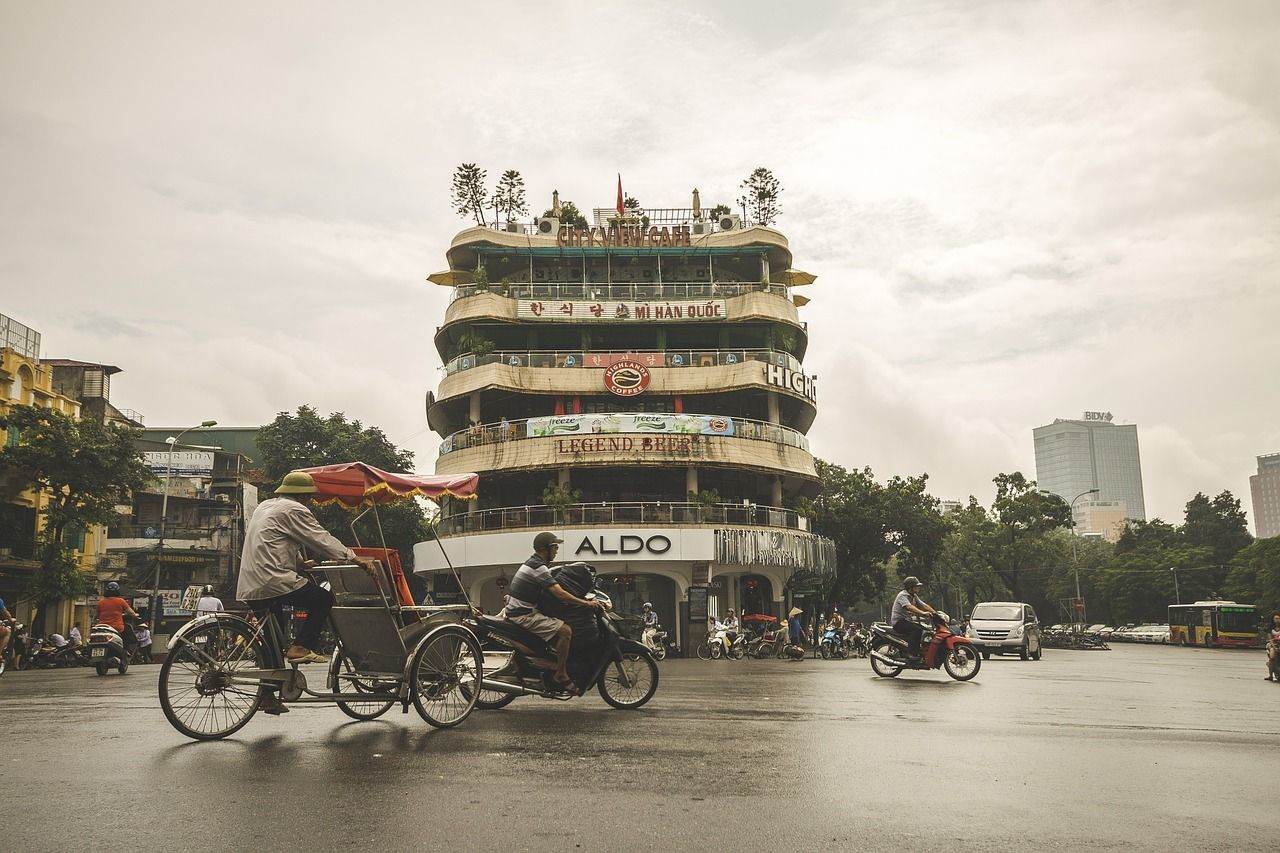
(620,291)
(621,423)
(553,453)
(576,359)
(622,514)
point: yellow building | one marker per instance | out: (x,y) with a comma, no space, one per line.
(25,381)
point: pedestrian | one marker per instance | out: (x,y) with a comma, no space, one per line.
(144,642)
(795,625)
(1273,646)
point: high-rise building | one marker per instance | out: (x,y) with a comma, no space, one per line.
(637,387)
(1074,457)
(1265,487)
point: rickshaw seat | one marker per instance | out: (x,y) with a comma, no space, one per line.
(369,631)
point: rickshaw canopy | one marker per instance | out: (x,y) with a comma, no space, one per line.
(355,484)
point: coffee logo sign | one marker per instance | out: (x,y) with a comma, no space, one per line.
(626,378)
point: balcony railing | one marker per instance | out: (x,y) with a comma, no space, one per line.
(748,428)
(656,512)
(649,358)
(621,291)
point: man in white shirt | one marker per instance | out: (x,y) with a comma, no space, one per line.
(907,604)
(208,603)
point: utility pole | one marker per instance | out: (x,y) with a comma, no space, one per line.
(1176,592)
(156,610)
(1075,562)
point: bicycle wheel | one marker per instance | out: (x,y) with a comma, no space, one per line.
(342,675)
(704,651)
(196,690)
(492,700)
(445,666)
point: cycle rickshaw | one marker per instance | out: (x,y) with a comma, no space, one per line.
(387,652)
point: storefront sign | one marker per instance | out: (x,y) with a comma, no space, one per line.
(625,422)
(1098,416)
(675,445)
(612,544)
(186,463)
(800,383)
(629,545)
(697,604)
(171,602)
(632,236)
(626,378)
(614,311)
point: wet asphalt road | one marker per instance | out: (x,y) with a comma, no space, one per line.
(1141,747)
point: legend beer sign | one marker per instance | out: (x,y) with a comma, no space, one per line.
(780,377)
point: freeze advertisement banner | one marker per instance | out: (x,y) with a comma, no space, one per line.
(630,422)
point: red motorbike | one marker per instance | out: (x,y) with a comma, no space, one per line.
(946,649)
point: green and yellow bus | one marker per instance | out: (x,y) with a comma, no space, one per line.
(1211,624)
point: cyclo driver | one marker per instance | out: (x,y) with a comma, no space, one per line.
(907,604)
(534,576)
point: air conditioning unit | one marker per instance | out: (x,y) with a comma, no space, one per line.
(730,222)
(700,229)
(548,226)
(222,498)
(513,227)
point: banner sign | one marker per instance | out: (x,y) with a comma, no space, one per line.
(791,380)
(613,311)
(186,463)
(633,422)
(674,445)
(171,601)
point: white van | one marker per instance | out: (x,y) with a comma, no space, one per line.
(1005,628)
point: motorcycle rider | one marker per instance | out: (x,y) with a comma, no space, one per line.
(907,604)
(534,576)
(6,620)
(650,626)
(111,611)
(836,622)
(731,627)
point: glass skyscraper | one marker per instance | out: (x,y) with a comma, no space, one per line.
(1074,456)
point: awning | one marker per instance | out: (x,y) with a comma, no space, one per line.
(795,278)
(355,484)
(800,301)
(452,278)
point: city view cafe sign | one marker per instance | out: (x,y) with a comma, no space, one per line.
(628,236)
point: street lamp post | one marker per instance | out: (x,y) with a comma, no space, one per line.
(1075,562)
(172,441)
(1177,593)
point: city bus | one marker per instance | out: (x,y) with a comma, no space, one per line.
(1214,623)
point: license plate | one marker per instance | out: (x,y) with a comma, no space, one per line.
(98,653)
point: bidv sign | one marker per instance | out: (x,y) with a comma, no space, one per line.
(1098,416)
(626,543)
(781,377)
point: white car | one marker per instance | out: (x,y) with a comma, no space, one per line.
(1151,633)
(1005,628)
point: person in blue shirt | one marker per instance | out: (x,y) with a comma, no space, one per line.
(795,625)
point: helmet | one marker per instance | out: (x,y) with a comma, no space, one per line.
(112,588)
(647,606)
(546,540)
(297,483)
(910,581)
(208,589)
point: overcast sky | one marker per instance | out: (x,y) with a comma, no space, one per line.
(1016,211)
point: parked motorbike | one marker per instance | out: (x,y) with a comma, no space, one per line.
(718,646)
(622,670)
(655,640)
(859,642)
(45,655)
(832,646)
(107,650)
(953,652)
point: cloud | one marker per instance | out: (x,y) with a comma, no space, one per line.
(1015,212)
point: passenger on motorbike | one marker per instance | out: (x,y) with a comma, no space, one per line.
(907,604)
(731,627)
(533,577)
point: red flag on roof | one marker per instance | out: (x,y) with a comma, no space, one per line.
(621,207)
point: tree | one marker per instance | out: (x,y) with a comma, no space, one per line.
(631,204)
(717,211)
(508,196)
(1255,576)
(469,191)
(1217,524)
(84,469)
(305,439)
(759,198)
(1023,515)
(569,215)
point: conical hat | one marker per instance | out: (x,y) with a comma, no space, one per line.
(795,611)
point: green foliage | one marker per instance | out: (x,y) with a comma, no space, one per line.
(59,577)
(1217,524)
(760,191)
(1023,516)
(85,468)
(471,342)
(508,196)
(480,277)
(304,439)
(718,211)
(1254,576)
(468,189)
(569,215)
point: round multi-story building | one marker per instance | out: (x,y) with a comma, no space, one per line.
(638,388)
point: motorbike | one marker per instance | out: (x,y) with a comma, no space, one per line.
(46,655)
(951,651)
(655,640)
(859,642)
(622,670)
(832,646)
(107,650)
(14,648)
(718,646)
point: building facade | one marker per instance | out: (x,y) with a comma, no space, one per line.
(637,387)
(1076,456)
(26,380)
(1264,486)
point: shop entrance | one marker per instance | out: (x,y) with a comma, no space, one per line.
(630,591)
(755,595)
